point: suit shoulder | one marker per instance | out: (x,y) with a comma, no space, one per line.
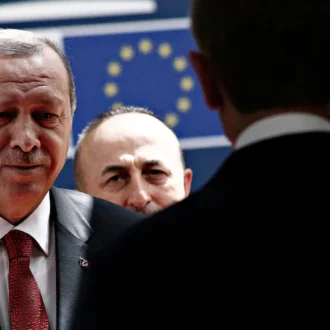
(172,221)
(190,208)
(97,206)
(74,195)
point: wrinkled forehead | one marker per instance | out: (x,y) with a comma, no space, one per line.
(133,141)
(44,66)
(139,145)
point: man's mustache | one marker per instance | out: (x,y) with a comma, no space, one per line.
(147,210)
(12,158)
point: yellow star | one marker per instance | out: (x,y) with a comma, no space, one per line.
(114,69)
(183,104)
(171,120)
(165,50)
(126,53)
(111,89)
(180,63)
(145,46)
(116,105)
(187,84)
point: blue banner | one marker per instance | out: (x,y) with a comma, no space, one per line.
(149,69)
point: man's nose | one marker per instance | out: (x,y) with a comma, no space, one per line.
(138,196)
(24,135)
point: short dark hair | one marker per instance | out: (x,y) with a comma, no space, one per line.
(25,43)
(269,53)
(102,117)
(96,122)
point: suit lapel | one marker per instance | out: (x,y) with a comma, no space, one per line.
(72,233)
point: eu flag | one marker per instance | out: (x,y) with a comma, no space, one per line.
(149,69)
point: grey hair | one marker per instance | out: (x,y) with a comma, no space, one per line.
(20,43)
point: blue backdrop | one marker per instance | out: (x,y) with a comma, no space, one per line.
(150,69)
(141,60)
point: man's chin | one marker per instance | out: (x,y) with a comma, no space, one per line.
(23,191)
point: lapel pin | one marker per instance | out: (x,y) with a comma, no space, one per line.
(83,262)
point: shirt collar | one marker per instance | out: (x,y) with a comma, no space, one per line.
(278,125)
(37,225)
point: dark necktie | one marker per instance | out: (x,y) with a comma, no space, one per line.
(27,310)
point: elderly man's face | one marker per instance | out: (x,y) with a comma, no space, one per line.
(35,126)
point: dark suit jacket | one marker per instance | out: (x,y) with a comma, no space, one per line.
(186,264)
(85,227)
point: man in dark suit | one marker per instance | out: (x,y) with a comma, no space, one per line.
(264,67)
(49,238)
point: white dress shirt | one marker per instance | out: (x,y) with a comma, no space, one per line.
(278,125)
(42,263)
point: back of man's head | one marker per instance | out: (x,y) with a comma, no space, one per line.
(269,53)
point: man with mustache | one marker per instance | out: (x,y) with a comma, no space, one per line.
(49,237)
(129,157)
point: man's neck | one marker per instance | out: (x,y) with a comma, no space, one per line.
(246,120)
(16,212)
(279,125)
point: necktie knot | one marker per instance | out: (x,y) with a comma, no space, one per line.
(18,244)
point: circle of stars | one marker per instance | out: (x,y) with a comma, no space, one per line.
(164,50)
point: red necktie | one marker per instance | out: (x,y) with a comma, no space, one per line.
(27,310)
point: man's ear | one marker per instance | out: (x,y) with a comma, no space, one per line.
(188,174)
(207,75)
